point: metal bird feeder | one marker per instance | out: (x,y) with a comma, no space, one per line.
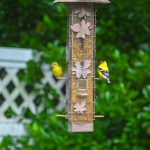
(81,53)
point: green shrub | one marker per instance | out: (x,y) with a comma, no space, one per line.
(123,33)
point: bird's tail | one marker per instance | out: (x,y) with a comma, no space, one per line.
(108,80)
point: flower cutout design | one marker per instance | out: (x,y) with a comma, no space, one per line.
(82,12)
(81,69)
(82,29)
(79,107)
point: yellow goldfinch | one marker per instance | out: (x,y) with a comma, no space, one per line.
(57,70)
(103,71)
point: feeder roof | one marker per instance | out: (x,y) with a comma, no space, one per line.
(78,1)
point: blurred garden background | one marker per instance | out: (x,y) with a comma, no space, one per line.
(123,40)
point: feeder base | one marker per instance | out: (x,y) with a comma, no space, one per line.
(80,127)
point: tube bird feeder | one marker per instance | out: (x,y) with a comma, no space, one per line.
(81,55)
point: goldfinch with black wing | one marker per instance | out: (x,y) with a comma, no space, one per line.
(57,70)
(103,71)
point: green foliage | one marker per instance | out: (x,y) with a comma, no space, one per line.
(123,33)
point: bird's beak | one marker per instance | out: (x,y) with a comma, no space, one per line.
(99,69)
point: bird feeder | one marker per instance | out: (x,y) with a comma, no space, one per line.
(81,55)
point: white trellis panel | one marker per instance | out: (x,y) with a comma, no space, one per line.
(14,57)
(57,85)
(14,93)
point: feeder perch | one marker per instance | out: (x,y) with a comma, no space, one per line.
(81,53)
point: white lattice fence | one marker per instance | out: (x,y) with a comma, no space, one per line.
(15,94)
